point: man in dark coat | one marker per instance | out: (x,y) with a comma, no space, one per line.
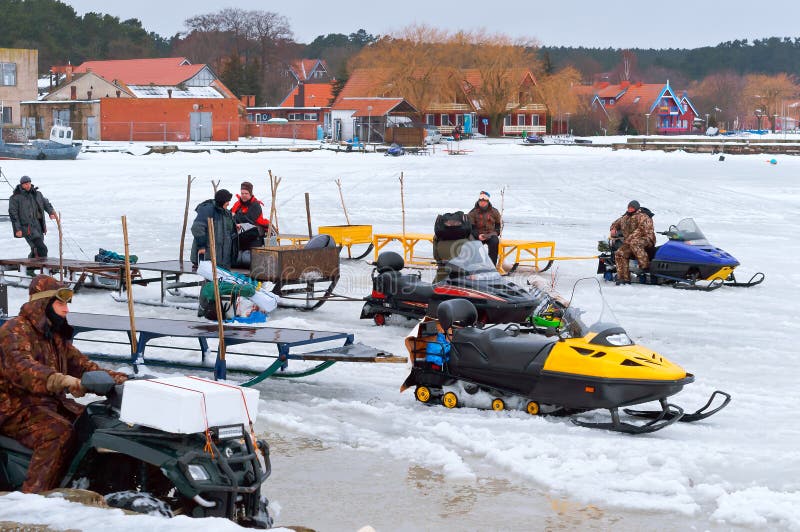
(486,224)
(224,230)
(636,227)
(248,216)
(26,209)
(38,364)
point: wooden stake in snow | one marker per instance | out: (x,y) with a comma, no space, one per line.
(212,244)
(341,197)
(274,181)
(60,248)
(308,216)
(189,180)
(403,205)
(129,285)
(215,184)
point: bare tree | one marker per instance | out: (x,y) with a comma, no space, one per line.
(767,93)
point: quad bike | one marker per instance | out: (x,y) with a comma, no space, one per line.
(149,470)
(587,362)
(471,276)
(684,260)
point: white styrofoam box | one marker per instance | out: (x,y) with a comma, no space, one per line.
(178,408)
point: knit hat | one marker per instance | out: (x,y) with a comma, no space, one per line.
(222,197)
(248,186)
(634,205)
(24,179)
(484,195)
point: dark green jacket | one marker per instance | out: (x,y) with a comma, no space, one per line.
(26,210)
(224,233)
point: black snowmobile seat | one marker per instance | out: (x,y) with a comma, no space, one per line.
(404,286)
(499,351)
(320,241)
(389,261)
(456,311)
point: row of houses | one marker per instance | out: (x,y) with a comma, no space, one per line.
(171,99)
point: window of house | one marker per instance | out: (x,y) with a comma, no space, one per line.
(8,74)
(294,116)
(520,120)
(507,120)
(445,119)
(310,116)
(430,120)
(6,115)
(459,120)
(534,120)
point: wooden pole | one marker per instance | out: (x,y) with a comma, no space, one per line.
(219,368)
(215,184)
(308,216)
(60,248)
(129,286)
(341,197)
(274,181)
(502,207)
(403,206)
(189,180)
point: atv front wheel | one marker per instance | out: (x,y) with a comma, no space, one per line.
(138,501)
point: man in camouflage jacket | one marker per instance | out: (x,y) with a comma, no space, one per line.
(636,227)
(38,364)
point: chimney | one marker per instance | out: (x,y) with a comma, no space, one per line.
(300,99)
(68,71)
(73,93)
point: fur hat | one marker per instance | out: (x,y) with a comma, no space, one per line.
(248,186)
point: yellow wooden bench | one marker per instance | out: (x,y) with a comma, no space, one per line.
(539,254)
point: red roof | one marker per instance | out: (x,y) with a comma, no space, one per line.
(164,71)
(316,95)
(380,106)
(304,67)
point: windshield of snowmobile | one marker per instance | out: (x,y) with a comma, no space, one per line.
(588,312)
(473,260)
(688,232)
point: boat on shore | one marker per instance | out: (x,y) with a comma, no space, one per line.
(60,146)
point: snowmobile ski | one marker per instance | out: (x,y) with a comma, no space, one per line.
(700,413)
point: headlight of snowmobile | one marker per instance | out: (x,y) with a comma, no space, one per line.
(619,339)
(198,472)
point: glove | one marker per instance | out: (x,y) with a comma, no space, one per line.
(58,382)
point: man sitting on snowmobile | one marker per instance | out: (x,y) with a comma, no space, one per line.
(636,228)
(486,224)
(38,365)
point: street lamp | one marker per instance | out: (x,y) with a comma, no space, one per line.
(647,127)
(369,123)
(706,121)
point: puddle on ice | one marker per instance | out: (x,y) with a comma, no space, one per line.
(332,488)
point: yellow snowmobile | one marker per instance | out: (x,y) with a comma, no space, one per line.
(586,362)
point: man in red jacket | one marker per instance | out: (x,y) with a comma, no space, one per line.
(38,365)
(249,218)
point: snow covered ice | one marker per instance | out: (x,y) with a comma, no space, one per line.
(739,469)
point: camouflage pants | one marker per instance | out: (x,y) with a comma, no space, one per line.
(51,437)
(637,249)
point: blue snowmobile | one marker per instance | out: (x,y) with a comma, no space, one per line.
(683,261)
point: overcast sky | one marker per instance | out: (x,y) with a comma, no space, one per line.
(552,23)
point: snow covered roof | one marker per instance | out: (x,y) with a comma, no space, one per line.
(161,91)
